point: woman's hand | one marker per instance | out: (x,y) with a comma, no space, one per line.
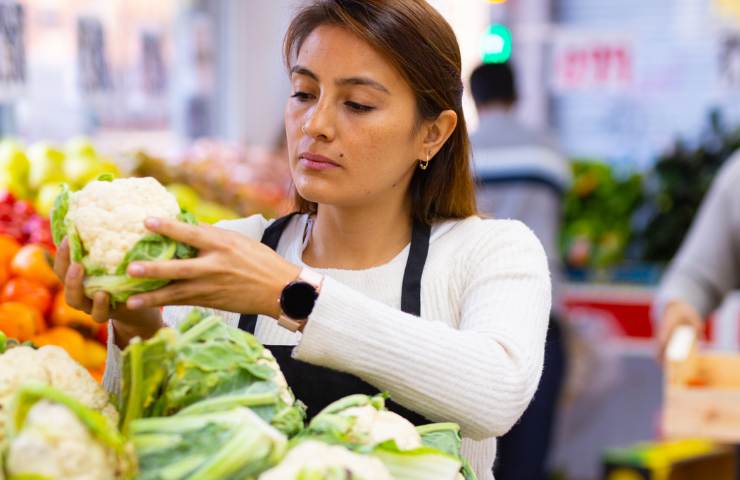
(232,272)
(677,313)
(127,323)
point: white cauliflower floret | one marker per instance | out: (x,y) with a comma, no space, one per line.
(285,394)
(109,216)
(312,457)
(53,443)
(52,366)
(377,426)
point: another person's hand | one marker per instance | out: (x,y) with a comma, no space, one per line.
(677,313)
(232,272)
(127,323)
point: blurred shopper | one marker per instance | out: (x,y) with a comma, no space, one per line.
(521,175)
(707,266)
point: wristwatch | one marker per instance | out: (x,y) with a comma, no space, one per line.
(298,299)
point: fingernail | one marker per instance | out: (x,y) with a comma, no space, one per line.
(135,269)
(151,222)
(134,302)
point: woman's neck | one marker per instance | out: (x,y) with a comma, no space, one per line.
(358,238)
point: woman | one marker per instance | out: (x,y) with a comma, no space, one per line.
(386,279)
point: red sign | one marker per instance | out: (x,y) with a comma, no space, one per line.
(592,62)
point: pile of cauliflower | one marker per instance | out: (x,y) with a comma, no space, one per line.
(56,421)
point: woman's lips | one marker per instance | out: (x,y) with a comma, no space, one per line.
(313,161)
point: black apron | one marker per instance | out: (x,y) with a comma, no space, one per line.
(318,386)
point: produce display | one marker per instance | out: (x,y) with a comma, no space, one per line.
(245,180)
(35,174)
(49,365)
(598,210)
(104,225)
(52,435)
(203,401)
(32,305)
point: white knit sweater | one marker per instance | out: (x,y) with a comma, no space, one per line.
(475,355)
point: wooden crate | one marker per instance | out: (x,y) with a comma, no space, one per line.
(702,398)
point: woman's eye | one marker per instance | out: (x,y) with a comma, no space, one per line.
(358,107)
(301,96)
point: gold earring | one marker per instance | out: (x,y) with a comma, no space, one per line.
(424,164)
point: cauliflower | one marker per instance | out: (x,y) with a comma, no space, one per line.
(54,444)
(53,436)
(317,460)
(104,224)
(50,365)
(286,395)
(377,426)
(109,216)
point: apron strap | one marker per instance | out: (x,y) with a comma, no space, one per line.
(411,287)
(418,251)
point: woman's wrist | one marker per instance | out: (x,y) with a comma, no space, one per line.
(279,280)
(141,323)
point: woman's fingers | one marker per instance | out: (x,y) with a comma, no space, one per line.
(74,294)
(100,307)
(198,236)
(169,269)
(173,294)
(61,260)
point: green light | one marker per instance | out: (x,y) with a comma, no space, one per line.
(496,44)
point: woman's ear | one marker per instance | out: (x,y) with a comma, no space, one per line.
(437,133)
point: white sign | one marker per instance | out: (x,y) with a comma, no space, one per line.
(12,50)
(592,61)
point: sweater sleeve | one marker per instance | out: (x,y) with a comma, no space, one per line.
(705,269)
(481,374)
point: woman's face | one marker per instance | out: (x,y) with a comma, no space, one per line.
(351,122)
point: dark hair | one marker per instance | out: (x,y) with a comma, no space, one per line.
(422,46)
(493,82)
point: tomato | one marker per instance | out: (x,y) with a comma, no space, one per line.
(26,291)
(62,315)
(28,321)
(34,263)
(70,340)
(8,249)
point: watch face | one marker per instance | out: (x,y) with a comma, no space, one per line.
(298,299)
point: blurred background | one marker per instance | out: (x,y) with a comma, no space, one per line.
(641,97)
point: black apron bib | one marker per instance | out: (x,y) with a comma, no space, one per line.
(318,386)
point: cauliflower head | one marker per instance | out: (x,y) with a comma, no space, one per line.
(109,216)
(320,461)
(54,444)
(104,225)
(49,365)
(378,426)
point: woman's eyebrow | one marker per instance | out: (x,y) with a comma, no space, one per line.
(363,81)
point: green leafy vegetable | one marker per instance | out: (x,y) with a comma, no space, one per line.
(423,463)
(362,424)
(59,215)
(201,367)
(231,445)
(446,437)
